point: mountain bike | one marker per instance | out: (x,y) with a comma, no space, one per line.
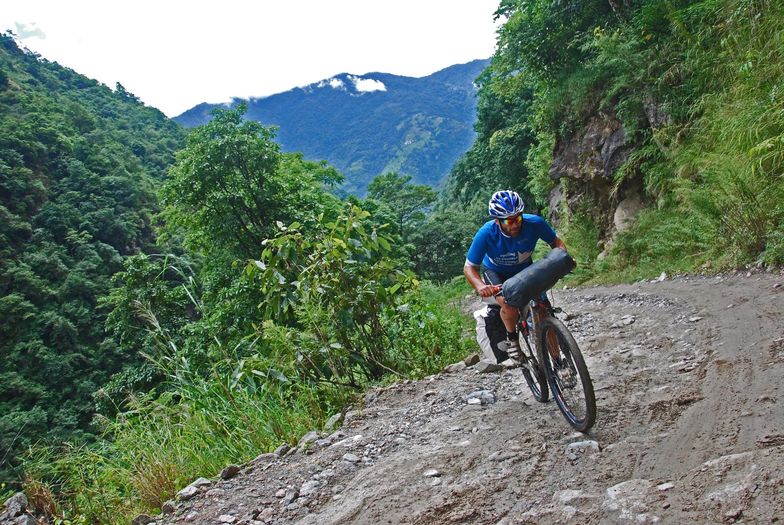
(552,362)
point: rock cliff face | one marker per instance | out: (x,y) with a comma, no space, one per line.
(584,167)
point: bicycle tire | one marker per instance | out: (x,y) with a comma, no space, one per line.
(580,413)
(537,380)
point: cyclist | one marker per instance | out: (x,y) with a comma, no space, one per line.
(501,248)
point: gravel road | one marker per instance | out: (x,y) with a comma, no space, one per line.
(690,429)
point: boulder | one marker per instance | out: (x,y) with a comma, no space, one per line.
(627,212)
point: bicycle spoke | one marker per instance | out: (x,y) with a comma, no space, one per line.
(569,379)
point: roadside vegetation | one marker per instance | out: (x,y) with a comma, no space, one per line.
(237,303)
(284,304)
(709,159)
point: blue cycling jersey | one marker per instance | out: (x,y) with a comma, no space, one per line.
(506,255)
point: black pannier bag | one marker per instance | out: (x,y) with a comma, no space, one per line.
(542,275)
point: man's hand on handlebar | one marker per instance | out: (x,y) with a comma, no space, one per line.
(489,290)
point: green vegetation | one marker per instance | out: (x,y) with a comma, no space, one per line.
(156,330)
(285,304)
(78,167)
(697,86)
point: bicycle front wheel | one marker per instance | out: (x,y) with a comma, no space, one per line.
(531,363)
(567,375)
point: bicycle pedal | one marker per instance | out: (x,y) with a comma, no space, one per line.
(557,310)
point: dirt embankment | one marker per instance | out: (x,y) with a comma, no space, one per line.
(688,376)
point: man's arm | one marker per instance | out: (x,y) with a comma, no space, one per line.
(558,243)
(471,273)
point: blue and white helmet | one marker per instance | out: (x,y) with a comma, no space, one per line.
(505,203)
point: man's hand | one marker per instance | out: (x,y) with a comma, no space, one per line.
(488,290)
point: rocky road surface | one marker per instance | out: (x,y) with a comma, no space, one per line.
(688,376)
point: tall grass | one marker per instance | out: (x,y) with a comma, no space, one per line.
(716,183)
(244,406)
(735,153)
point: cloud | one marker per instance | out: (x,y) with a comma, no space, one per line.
(334,83)
(24,31)
(368,84)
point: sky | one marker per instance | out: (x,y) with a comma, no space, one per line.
(174,54)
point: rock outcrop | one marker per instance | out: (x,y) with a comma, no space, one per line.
(589,160)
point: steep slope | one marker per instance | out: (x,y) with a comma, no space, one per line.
(687,375)
(371,124)
(78,164)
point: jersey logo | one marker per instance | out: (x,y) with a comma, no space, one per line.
(510,259)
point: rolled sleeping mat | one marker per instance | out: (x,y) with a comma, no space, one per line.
(542,275)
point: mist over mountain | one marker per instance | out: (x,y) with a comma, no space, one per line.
(365,125)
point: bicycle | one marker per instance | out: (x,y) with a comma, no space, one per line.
(551,361)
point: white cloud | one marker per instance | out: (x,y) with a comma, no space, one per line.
(24,31)
(368,84)
(334,83)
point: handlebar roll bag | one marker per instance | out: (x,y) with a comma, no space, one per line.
(542,275)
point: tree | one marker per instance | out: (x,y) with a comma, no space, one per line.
(408,201)
(224,189)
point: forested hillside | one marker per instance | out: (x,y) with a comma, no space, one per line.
(371,124)
(78,168)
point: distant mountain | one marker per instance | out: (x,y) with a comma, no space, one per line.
(366,125)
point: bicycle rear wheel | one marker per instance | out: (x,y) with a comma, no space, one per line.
(567,374)
(531,364)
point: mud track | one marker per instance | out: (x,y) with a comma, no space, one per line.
(690,429)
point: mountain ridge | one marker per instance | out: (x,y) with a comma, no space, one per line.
(370,124)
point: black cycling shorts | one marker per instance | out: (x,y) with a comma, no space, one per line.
(491,276)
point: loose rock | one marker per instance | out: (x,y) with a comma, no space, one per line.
(351,458)
(229,472)
(484,397)
(583,446)
(16,504)
(333,422)
(471,360)
(290,497)
(266,458)
(485,367)
(142,519)
(308,438)
(309,487)
(455,367)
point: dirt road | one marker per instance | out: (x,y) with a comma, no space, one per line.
(690,429)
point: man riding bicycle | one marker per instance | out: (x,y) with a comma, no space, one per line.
(501,248)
